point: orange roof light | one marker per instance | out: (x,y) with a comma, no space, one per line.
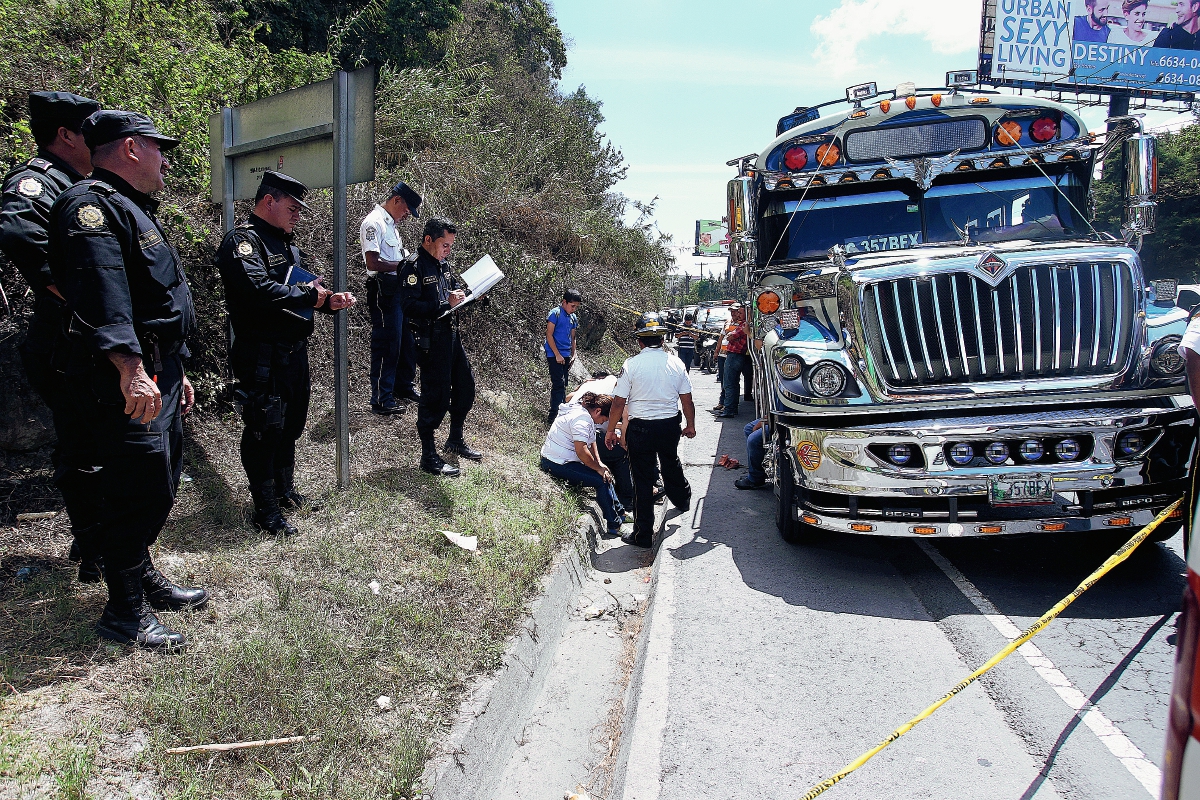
(936,100)
(1008,133)
(828,154)
(911,102)
(768,302)
(885,106)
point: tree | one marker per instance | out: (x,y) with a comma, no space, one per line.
(1174,250)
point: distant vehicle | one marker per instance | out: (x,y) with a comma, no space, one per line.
(1188,297)
(713,319)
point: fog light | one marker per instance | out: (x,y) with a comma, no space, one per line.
(997,452)
(1032,450)
(1131,443)
(962,454)
(1067,450)
(900,454)
(789,367)
(1166,360)
(827,380)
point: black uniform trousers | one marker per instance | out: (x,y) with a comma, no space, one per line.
(447,384)
(617,461)
(654,443)
(46,354)
(269,452)
(140,464)
(393,356)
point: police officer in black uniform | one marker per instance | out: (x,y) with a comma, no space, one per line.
(428,292)
(271,312)
(131,312)
(29,191)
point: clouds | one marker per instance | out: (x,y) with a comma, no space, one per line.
(949,26)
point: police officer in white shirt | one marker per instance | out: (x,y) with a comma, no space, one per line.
(654,384)
(392,348)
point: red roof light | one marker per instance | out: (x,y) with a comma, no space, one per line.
(795,158)
(1043,129)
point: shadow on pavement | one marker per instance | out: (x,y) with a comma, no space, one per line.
(1022,576)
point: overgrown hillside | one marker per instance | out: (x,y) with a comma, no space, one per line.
(305,635)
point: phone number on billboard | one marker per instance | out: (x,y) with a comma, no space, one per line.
(1180,79)
(1178,61)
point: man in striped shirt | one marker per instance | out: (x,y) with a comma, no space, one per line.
(685,342)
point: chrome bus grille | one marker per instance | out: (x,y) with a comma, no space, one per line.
(1052,320)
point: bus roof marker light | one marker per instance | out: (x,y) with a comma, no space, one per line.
(936,100)
(863,91)
(911,102)
(885,106)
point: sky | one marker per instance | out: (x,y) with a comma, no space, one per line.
(687,86)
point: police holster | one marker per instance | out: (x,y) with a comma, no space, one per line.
(422,331)
(261,410)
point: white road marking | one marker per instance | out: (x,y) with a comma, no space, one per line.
(1143,769)
(644,771)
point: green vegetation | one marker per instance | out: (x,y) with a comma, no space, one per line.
(296,641)
(1174,250)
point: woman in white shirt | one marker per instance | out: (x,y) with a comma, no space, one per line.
(570,453)
(1134,33)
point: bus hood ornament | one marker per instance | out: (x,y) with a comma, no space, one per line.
(923,171)
(991,265)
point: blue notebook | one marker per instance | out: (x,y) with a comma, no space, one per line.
(297,275)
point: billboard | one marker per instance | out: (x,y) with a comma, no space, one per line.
(1148,48)
(711,238)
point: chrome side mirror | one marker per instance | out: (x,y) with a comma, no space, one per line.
(1140,186)
(743,233)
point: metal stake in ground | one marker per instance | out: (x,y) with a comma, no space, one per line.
(1088,582)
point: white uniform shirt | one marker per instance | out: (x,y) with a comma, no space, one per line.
(651,383)
(573,424)
(1191,338)
(378,234)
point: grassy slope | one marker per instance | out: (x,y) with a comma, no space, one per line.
(294,642)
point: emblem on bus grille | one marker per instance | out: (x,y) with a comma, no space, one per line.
(991,265)
(809,455)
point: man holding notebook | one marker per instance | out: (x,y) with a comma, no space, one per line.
(271,300)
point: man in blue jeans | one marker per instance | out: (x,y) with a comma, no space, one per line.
(737,359)
(756,451)
(560,347)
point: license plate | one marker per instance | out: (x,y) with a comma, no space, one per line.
(1021,490)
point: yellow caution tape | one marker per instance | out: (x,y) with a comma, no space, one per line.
(676,327)
(1090,581)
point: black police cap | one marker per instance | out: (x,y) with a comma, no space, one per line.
(287,184)
(110,125)
(49,111)
(411,198)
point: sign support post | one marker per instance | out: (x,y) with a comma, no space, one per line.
(341,372)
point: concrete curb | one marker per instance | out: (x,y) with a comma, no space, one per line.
(470,761)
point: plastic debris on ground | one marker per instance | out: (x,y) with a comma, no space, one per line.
(459,540)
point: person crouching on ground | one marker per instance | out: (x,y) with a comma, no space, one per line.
(755,477)
(615,458)
(570,453)
(560,346)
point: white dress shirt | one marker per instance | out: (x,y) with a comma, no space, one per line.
(378,234)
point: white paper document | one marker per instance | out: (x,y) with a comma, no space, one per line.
(480,278)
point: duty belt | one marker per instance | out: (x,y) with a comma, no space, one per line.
(155,349)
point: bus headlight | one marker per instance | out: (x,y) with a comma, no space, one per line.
(827,379)
(1165,359)
(790,367)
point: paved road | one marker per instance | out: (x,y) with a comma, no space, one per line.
(770,666)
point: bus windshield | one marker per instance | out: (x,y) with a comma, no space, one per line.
(983,211)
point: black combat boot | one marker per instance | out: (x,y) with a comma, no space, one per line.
(127,618)
(163,595)
(458,446)
(286,494)
(266,511)
(432,463)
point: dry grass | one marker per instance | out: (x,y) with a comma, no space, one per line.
(294,641)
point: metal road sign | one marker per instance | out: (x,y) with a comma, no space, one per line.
(323,135)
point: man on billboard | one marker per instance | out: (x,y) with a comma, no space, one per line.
(1182,36)
(1091,27)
